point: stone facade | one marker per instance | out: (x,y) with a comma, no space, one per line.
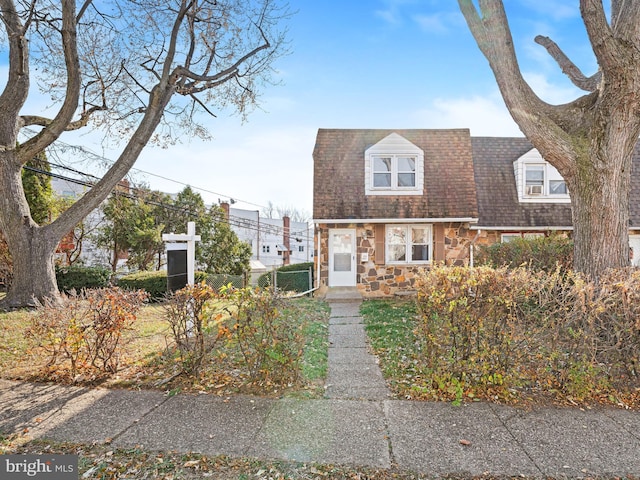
(451,245)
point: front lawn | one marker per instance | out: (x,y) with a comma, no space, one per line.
(148,358)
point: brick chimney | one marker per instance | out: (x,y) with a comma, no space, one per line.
(225,208)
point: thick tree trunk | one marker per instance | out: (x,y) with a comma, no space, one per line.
(34,279)
(600,211)
(32,247)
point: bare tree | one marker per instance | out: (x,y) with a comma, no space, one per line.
(294,214)
(140,69)
(589,140)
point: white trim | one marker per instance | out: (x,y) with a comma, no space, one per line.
(513,229)
(394,145)
(397,220)
(550,173)
(343,278)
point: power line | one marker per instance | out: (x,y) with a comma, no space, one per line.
(234,220)
(104,159)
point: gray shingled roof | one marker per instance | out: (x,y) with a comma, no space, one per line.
(498,203)
(339,186)
(456,167)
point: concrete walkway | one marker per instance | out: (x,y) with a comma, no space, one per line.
(358,423)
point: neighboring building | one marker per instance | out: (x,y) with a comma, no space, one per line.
(274,241)
(389,202)
(90,253)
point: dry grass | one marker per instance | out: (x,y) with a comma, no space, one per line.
(148,358)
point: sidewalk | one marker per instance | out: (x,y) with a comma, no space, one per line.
(358,423)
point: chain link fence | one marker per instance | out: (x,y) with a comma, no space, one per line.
(290,281)
(217,281)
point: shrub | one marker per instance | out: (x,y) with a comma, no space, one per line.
(79,277)
(539,253)
(271,347)
(196,320)
(152,282)
(85,332)
(469,329)
(484,329)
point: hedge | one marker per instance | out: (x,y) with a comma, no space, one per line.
(153,282)
(79,277)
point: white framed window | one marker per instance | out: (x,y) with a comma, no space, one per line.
(543,180)
(394,172)
(394,166)
(408,244)
(538,181)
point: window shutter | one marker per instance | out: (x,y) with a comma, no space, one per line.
(379,244)
(438,238)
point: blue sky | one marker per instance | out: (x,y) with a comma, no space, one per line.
(366,64)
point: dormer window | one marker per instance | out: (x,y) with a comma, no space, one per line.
(394,171)
(534,180)
(394,166)
(538,181)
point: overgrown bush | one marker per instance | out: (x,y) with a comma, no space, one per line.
(79,277)
(493,330)
(84,332)
(196,319)
(152,282)
(271,347)
(539,253)
(259,343)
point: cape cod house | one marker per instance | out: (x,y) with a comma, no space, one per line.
(390,202)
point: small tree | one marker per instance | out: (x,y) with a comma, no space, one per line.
(37,188)
(130,227)
(220,250)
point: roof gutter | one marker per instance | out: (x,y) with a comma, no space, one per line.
(512,228)
(397,220)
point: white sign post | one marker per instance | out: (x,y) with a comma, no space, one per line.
(191,238)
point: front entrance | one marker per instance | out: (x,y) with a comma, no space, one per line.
(342,257)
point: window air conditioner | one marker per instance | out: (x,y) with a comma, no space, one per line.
(534,190)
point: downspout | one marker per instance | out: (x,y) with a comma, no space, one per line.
(472,248)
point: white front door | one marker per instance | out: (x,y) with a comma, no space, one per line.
(634,250)
(342,257)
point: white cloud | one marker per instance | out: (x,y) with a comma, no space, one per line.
(436,23)
(551,93)
(483,116)
(557,10)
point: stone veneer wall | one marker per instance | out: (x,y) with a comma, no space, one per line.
(383,280)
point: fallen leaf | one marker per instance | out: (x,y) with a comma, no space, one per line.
(465,442)
(192,463)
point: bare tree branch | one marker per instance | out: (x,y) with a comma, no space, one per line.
(568,67)
(72,95)
(17,87)
(600,34)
